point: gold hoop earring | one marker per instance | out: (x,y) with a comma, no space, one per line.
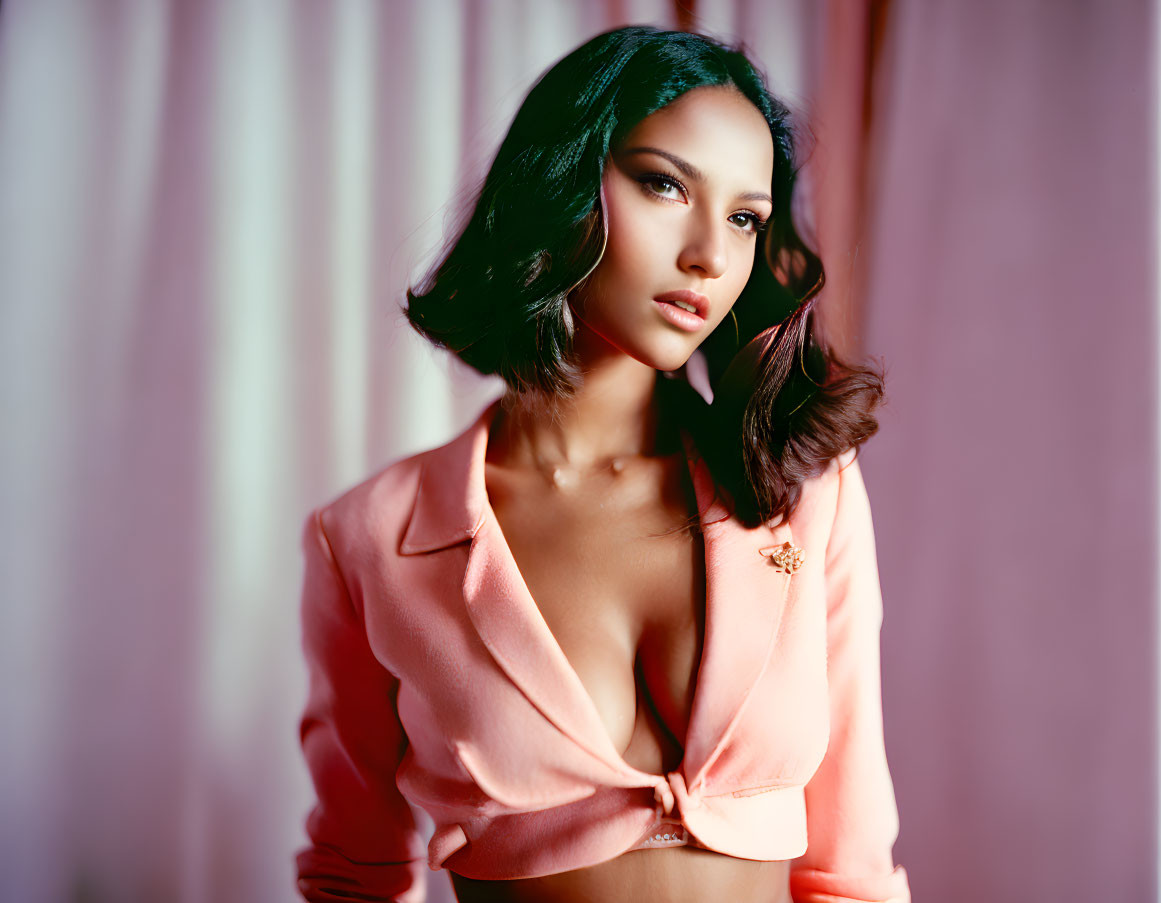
(737,336)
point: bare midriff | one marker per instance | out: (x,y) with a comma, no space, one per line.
(686,874)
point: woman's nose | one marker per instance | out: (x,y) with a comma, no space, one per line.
(704,249)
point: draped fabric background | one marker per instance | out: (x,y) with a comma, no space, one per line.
(208,214)
(1010,284)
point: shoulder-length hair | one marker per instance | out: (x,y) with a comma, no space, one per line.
(783,404)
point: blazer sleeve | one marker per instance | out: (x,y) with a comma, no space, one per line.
(852,820)
(364,841)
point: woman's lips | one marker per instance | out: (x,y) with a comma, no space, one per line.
(679,316)
(682,319)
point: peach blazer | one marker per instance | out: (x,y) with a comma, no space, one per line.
(435,683)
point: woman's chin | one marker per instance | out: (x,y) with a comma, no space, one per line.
(672,357)
(670,368)
(661,352)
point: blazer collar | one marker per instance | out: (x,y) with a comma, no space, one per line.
(745,599)
(452,496)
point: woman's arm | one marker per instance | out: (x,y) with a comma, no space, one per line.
(852,820)
(364,840)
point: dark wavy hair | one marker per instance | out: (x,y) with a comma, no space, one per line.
(783,403)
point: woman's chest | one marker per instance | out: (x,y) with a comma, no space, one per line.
(622,590)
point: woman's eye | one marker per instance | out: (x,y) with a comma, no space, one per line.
(659,185)
(751,222)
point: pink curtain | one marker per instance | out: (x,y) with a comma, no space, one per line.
(1009,284)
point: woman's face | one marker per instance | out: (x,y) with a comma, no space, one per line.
(683,197)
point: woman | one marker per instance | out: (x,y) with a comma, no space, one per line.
(618,642)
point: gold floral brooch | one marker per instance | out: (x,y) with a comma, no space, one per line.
(786,558)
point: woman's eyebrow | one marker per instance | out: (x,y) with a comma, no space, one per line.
(692,172)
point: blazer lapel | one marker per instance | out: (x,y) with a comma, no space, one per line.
(745,598)
(451,497)
(510,624)
(452,506)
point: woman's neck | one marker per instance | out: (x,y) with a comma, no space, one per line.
(613,414)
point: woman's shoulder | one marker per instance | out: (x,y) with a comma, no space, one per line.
(818,498)
(840,462)
(380,506)
(372,507)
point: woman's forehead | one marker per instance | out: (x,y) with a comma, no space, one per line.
(716,129)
